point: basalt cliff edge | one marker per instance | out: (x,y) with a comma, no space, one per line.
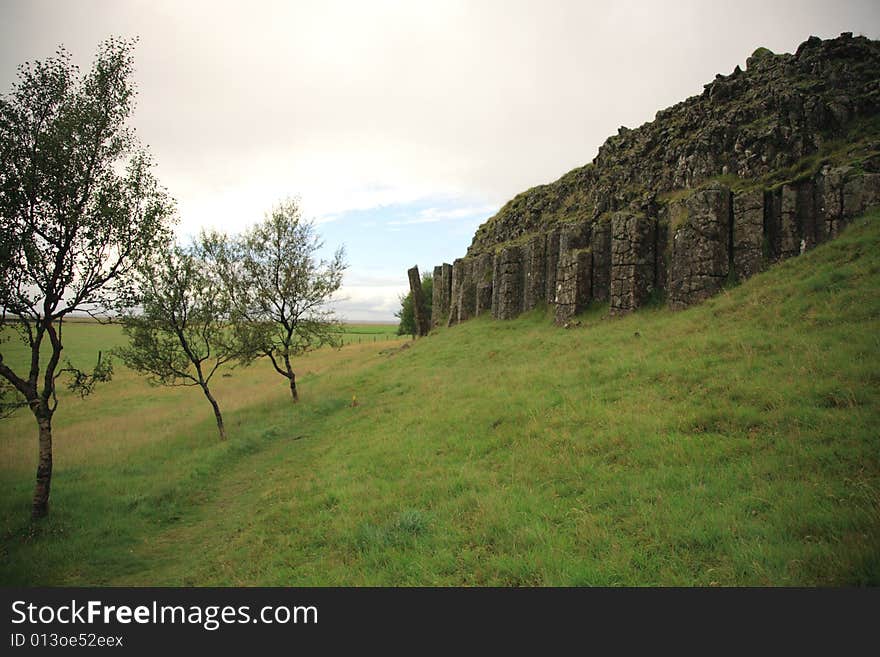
(766,163)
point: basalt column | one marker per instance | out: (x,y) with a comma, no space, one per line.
(551,246)
(831,205)
(534,272)
(860,193)
(700,258)
(455,292)
(467,306)
(464,291)
(483,273)
(420,312)
(633,265)
(661,253)
(600,246)
(445,291)
(844,194)
(573,272)
(789,240)
(572,283)
(437,310)
(508,283)
(748,234)
(806,207)
(794,220)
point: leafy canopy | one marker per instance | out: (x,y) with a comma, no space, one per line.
(279,288)
(180,335)
(79,206)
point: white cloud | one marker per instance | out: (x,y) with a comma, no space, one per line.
(433,215)
(369,302)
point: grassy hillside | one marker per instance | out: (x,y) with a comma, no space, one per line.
(733,443)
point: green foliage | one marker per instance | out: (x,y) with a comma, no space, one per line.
(83,383)
(10,399)
(180,335)
(406,314)
(79,205)
(79,208)
(279,290)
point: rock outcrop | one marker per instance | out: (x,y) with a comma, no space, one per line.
(633,266)
(420,311)
(700,247)
(748,234)
(766,163)
(442,294)
(507,293)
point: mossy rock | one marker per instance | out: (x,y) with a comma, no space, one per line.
(678,215)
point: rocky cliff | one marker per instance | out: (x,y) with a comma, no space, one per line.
(764,164)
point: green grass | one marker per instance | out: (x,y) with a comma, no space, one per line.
(735,443)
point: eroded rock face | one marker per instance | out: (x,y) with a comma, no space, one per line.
(695,245)
(792,219)
(573,283)
(534,272)
(600,246)
(463,303)
(789,229)
(749,123)
(806,208)
(420,311)
(661,255)
(633,266)
(832,201)
(507,299)
(437,303)
(483,273)
(552,247)
(700,255)
(860,193)
(447,289)
(468,306)
(653,212)
(574,236)
(845,193)
(748,234)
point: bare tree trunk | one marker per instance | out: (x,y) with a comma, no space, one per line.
(40,507)
(291,375)
(293,393)
(216,408)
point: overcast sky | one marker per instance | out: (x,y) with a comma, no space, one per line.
(401,125)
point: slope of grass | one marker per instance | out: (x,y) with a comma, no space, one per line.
(733,443)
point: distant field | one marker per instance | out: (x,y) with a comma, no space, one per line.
(90,335)
(365,333)
(735,443)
